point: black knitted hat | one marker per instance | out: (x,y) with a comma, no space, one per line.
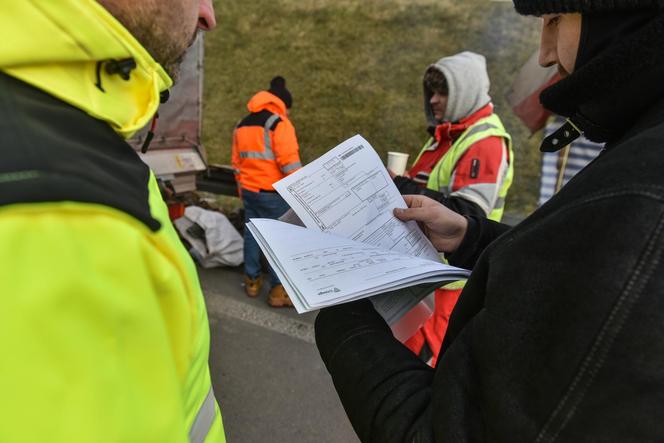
(539,7)
(278,88)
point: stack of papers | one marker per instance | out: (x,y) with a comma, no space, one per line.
(351,245)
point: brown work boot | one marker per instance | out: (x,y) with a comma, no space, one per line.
(278,297)
(252,286)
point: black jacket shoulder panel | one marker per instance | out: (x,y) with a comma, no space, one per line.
(259,119)
(54,152)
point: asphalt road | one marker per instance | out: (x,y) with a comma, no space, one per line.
(267,375)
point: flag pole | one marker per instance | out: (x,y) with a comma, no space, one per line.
(561,169)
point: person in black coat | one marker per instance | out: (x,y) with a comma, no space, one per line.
(559,332)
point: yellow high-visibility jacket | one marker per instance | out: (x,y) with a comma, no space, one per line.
(103,327)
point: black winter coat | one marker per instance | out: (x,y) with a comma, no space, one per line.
(558,335)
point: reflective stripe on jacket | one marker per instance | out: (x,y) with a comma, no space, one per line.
(442,175)
(103,319)
(265,147)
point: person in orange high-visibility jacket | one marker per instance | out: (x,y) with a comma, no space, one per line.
(265,150)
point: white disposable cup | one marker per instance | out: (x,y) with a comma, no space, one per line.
(397,162)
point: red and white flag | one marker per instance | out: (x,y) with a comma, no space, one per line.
(523,96)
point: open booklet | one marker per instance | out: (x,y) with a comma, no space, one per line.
(351,245)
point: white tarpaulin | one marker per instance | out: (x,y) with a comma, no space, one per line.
(214,240)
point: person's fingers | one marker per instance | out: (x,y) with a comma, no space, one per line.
(408,199)
(417,213)
(413,201)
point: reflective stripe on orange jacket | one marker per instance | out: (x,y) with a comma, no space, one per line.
(265,147)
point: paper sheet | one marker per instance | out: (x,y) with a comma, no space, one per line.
(348,192)
(320,269)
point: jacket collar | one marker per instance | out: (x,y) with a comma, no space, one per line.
(66,51)
(654,116)
(452,130)
(607,94)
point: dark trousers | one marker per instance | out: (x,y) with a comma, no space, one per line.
(259,205)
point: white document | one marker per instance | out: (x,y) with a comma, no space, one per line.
(348,192)
(352,246)
(319,269)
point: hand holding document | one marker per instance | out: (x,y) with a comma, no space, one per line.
(351,246)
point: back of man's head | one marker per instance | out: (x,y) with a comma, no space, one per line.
(278,88)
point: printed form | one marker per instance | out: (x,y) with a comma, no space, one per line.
(351,246)
(348,192)
(321,269)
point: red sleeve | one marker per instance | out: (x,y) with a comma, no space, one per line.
(481,164)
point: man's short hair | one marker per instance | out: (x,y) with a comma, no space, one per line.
(435,81)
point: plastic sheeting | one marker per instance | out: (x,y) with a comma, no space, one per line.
(214,240)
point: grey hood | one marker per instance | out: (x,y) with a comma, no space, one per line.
(468,85)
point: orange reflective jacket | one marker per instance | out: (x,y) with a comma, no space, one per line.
(265,148)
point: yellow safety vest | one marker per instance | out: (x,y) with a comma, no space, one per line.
(441,174)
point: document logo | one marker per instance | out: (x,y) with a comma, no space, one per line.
(329,291)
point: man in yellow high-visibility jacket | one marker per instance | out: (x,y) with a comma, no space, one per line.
(103,325)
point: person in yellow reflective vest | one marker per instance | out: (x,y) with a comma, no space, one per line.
(467,164)
(103,325)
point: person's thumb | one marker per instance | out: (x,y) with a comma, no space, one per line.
(400,213)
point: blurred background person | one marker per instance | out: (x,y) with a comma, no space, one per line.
(265,150)
(467,164)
